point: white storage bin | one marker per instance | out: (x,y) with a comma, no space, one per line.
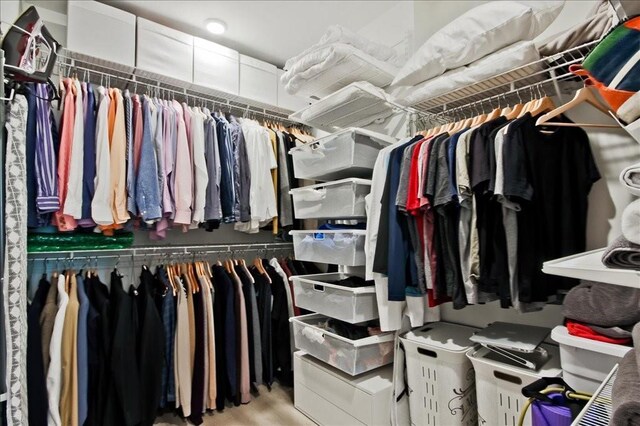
(258,80)
(585,362)
(351,356)
(164,51)
(349,153)
(499,385)
(101,31)
(287,101)
(341,199)
(440,376)
(330,397)
(335,247)
(350,304)
(216,66)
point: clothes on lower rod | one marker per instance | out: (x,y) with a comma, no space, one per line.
(187,337)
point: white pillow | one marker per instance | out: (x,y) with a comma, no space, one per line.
(475,34)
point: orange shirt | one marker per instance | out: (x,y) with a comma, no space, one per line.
(63,221)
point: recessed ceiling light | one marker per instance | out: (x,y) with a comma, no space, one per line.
(216,26)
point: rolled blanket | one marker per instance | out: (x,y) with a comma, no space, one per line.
(631,222)
(622,254)
(626,392)
(630,178)
(602,304)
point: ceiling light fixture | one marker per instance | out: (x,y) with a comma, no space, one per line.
(216,26)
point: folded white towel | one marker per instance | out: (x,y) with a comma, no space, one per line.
(339,34)
(631,222)
(630,110)
(630,178)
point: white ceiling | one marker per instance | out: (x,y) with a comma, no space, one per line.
(272,31)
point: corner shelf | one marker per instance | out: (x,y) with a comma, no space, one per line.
(598,410)
(589,266)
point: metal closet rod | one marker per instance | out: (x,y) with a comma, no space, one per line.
(158,89)
(162,250)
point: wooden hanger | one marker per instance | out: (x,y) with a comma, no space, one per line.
(583,95)
(542,105)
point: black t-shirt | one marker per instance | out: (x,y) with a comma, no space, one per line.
(550,175)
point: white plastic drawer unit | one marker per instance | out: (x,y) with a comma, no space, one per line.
(319,293)
(216,66)
(258,80)
(344,247)
(351,356)
(164,51)
(341,199)
(349,153)
(101,31)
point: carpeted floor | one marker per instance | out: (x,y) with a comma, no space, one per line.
(270,408)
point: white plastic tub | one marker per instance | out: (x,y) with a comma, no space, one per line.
(341,199)
(349,153)
(351,356)
(499,385)
(585,362)
(350,304)
(344,247)
(440,376)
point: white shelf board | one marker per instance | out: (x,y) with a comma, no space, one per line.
(589,266)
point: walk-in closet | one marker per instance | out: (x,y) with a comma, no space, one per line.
(334,213)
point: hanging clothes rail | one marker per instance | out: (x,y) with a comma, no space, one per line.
(547,74)
(90,68)
(160,250)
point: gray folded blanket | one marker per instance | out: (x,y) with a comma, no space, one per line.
(622,254)
(625,394)
(630,179)
(602,305)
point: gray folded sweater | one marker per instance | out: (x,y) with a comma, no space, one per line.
(622,254)
(601,304)
(625,394)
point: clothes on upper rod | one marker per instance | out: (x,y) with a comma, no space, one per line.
(188,337)
(124,161)
(471,216)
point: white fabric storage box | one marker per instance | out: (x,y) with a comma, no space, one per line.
(440,376)
(351,356)
(286,100)
(344,247)
(101,31)
(586,363)
(216,66)
(499,385)
(349,153)
(330,397)
(164,51)
(351,304)
(341,199)
(258,80)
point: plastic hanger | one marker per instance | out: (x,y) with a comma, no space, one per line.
(583,95)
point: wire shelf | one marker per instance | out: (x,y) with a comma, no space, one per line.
(547,74)
(99,71)
(598,410)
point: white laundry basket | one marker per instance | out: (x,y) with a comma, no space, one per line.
(440,376)
(499,385)
(586,363)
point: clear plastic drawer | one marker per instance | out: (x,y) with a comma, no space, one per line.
(335,247)
(341,199)
(351,356)
(319,293)
(348,153)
